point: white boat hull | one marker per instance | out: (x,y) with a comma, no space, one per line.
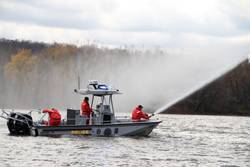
(143,128)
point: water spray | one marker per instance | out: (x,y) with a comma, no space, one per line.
(200,86)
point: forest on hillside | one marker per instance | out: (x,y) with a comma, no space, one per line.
(228,95)
(34,75)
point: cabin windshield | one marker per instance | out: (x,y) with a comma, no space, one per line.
(106,101)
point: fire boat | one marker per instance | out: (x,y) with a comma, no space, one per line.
(102,121)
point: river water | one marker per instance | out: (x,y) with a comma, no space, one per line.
(180,140)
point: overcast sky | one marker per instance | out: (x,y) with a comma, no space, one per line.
(164,23)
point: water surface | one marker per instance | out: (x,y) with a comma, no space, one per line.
(179,140)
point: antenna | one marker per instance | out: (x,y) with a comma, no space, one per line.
(78,82)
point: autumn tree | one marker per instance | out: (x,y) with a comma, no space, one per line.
(20,65)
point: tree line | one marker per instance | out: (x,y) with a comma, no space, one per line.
(34,75)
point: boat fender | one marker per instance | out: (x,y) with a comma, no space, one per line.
(107,132)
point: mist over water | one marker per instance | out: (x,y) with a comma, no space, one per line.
(158,79)
(201,84)
(151,77)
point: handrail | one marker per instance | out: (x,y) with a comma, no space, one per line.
(4,114)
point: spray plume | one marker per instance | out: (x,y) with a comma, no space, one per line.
(219,74)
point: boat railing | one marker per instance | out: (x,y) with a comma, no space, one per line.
(4,114)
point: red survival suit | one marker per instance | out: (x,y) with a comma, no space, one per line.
(138,114)
(86,110)
(54,116)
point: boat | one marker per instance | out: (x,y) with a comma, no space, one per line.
(102,121)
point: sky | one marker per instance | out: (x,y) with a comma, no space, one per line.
(143,23)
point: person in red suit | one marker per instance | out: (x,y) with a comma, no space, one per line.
(54,116)
(138,114)
(86,110)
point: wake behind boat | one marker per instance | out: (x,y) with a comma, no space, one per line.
(102,122)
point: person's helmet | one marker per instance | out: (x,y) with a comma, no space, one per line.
(140,106)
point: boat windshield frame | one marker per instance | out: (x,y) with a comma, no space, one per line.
(102,94)
(104,101)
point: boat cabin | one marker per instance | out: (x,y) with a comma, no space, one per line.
(101,104)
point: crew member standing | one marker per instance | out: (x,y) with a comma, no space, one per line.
(86,110)
(138,114)
(54,116)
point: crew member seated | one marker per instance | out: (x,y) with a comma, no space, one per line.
(138,114)
(86,110)
(54,117)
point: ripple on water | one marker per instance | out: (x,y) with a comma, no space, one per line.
(178,141)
